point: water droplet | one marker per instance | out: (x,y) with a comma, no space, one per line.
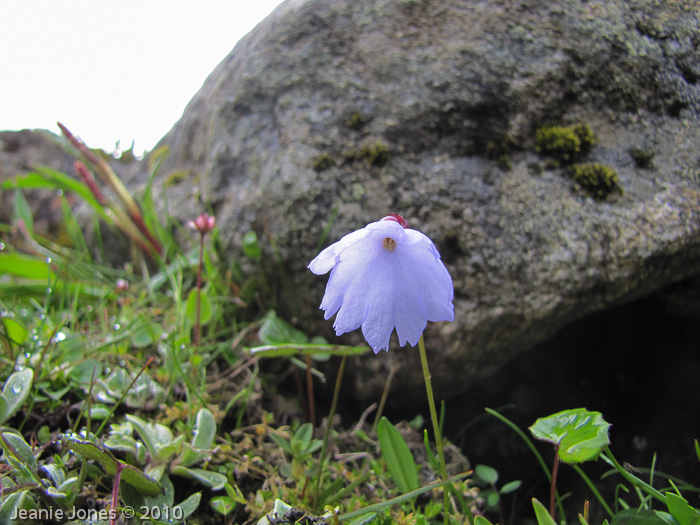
(59,192)
(60,336)
(2,245)
(48,290)
(16,389)
(116,326)
(48,260)
(27,355)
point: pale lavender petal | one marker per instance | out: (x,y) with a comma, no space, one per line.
(380,295)
(382,289)
(324,261)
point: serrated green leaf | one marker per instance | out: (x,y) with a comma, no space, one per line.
(15,392)
(398,457)
(206,310)
(580,435)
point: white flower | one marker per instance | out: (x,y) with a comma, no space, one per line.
(385,276)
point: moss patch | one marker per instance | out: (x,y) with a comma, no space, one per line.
(175,178)
(595,179)
(322,162)
(642,158)
(499,150)
(377,154)
(564,144)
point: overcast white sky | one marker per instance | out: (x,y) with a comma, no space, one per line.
(113,70)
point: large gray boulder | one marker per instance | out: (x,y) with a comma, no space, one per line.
(337,112)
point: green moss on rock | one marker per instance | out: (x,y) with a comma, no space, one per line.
(642,158)
(595,179)
(377,154)
(322,162)
(565,144)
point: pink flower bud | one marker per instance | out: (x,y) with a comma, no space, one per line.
(203,224)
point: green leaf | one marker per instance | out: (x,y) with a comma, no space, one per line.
(14,446)
(486,474)
(580,435)
(251,247)
(26,266)
(204,429)
(637,517)
(480,520)
(681,510)
(206,310)
(146,334)
(15,331)
(188,506)
(275,331)
(398,457)
(314,350)
(510,487)
(131,475)
(223,504)
(15,392)
(213,480)
(542,514)
(23,212)
(48,178)
(9,504)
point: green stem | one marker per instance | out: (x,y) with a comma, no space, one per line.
(593,489)
(531,446)
(329,425)
(434,417)
(634,480)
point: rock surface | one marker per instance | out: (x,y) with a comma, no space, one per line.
(333,113)
(21,152)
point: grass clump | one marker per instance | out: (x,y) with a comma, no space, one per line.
(596,179)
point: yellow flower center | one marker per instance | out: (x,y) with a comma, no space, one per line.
(389,244)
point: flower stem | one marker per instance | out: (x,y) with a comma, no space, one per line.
(329,425)
(553,484)
(434,417)
(198,326)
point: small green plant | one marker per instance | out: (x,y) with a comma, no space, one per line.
(595,179)
(322,162)
(564,144)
